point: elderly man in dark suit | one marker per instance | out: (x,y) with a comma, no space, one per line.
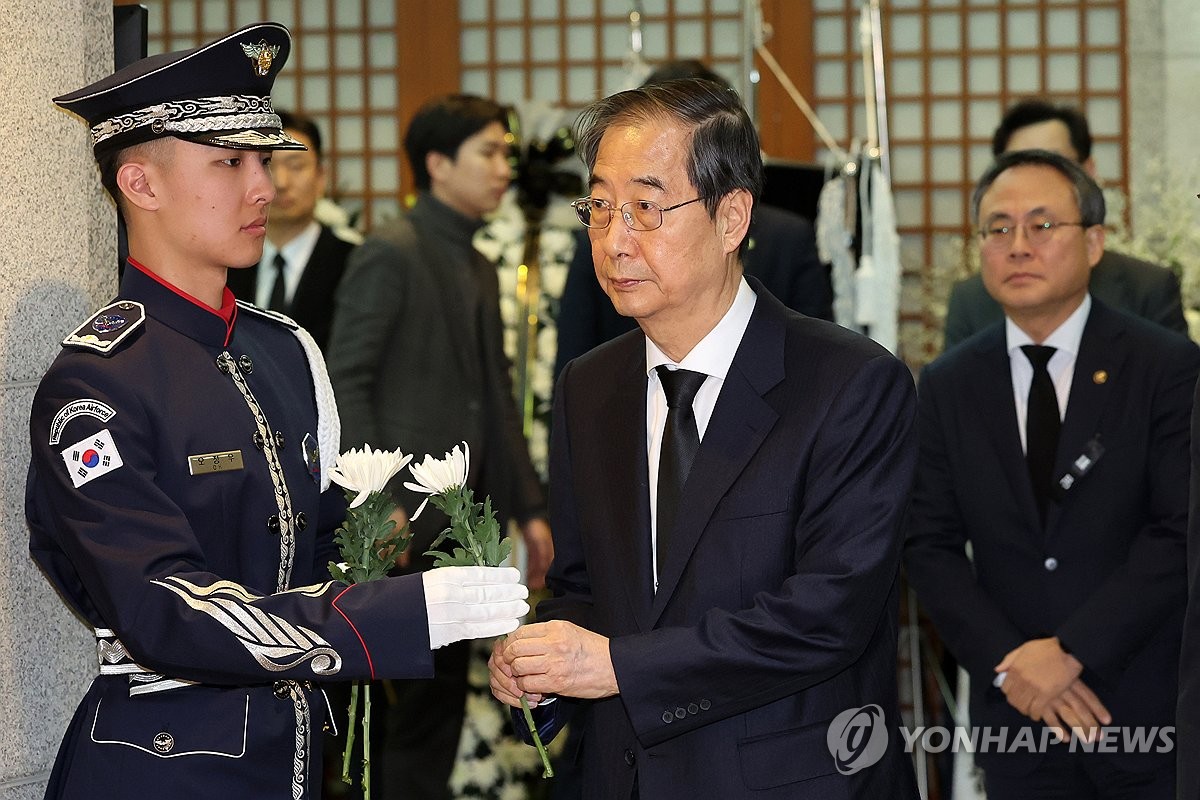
(1118,280)
(728,487)
(782,253)
(1046,536)
(305,259)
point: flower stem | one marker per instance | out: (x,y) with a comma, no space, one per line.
(366,723)
(346,779)
(547,770)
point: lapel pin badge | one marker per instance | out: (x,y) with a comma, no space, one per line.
(1100,376)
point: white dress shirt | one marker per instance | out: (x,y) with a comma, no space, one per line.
(296,254)
(1065,340)
(712,356)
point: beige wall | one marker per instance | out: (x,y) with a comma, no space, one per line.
(1164,86)
(57,260)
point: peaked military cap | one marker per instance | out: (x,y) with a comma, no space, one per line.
(218,94)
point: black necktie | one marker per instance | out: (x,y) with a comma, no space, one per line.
(679,445)
(278,301)
(1042,424)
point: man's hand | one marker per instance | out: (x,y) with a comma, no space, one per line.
(504,685)
(1036,674)
(539,552)
(1079,709)
(558,658)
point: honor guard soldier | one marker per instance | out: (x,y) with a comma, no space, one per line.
(178,496)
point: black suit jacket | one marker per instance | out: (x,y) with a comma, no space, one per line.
(312,304)
(777,605)
(417,360)
(782,254)
(1188,709)
(1106,572)
(1123,282)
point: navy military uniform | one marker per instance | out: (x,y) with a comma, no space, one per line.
(175,501)
(178,498)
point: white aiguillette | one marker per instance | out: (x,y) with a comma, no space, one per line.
(215,462)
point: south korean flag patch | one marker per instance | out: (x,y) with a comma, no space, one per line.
(92,457)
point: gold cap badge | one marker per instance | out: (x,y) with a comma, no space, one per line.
(261,55)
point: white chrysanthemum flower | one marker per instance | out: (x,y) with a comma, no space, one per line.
(365,471)
(434,475)
(486,716)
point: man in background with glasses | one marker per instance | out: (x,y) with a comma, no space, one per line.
(1046,534)
(729,484)
(1121,281)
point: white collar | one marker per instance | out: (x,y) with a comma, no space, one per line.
(713,354)
(1065,338)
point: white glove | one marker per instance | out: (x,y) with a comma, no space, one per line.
(472,603)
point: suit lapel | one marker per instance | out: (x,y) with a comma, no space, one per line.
(622,462)
(452,281)
(1101,357)
(740,422)
(311,291)
(993,402)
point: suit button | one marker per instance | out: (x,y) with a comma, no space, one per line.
(693,708)
(668,717)
(164,742)
(259,441)
(705,705)
(279,439)
(273,523)
(281,690)
(246,364)
(301,521)
(224,364)
(630,759)
(1050,564)
(680,713)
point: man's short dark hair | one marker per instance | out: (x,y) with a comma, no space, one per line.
(306,125)
(1088,194)
(1031,112)
(443,124)
(723,150)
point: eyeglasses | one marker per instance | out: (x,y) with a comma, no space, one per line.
(639,215)
(1037,233)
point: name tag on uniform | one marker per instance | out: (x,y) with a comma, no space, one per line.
(215,462)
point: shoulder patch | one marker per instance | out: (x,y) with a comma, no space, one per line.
(108,327)
(92,457)
(266,313)
(85,407)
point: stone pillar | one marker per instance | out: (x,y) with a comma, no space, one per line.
(1164,84)
(58,262)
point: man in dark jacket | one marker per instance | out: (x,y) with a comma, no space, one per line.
(1121,281)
